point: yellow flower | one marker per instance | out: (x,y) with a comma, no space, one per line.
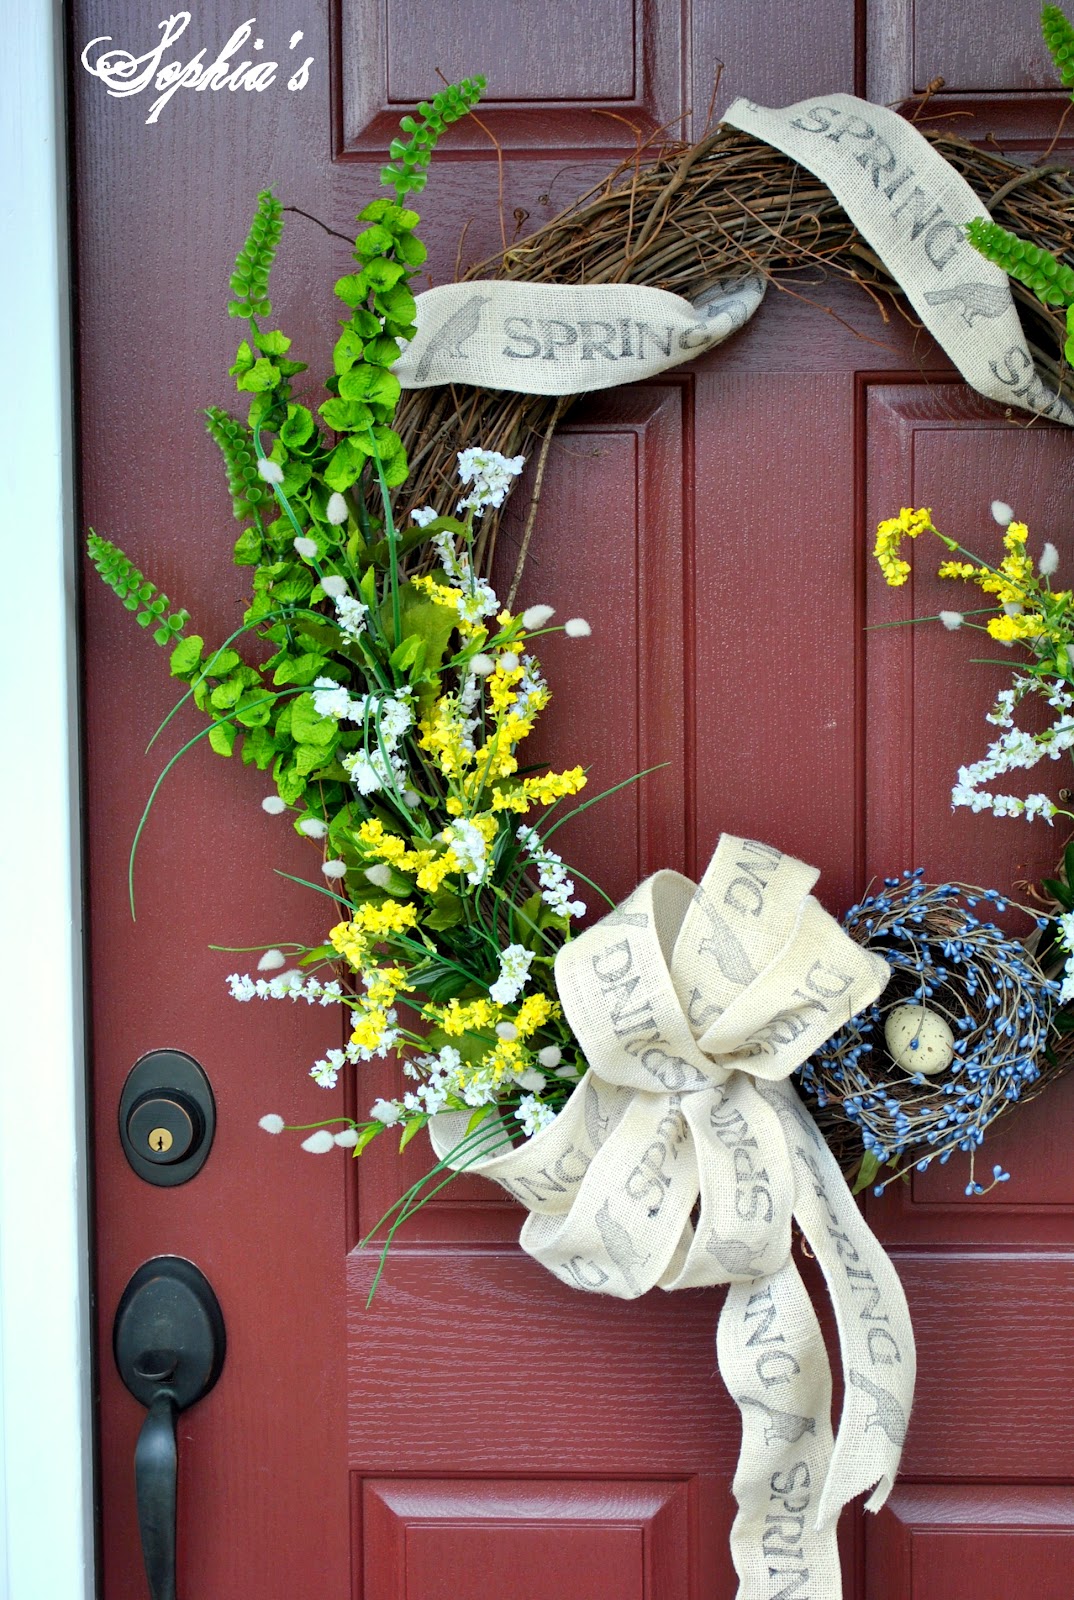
(1022,627)
(382,984)
(534,1011)
(438,867)
(1015,537)
(506,1058)
(391,916)
(386,846)
(501,687)
(370,1027)
(509,799)
(439,592)
(959,569)
(553,785)
(350,943)
(457,1019)
(889,535)
(443,735)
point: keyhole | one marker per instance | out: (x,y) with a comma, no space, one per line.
(160,1139)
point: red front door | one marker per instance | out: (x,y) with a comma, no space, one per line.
(482,1433)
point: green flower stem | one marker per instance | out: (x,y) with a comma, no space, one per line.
(604,795)
(203,734)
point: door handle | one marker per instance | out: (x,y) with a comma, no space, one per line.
(169,1344)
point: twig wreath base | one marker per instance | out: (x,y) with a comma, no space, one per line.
(724,207)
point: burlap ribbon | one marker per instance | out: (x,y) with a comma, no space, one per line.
(902,196)
(681,1158)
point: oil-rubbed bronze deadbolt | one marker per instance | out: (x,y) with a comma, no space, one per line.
(167,1117)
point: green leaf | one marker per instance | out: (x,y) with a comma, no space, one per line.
(397,303)
(244,360)
(366,1135)
(374,241)
(272,341)
(371,383)
(478,1118)
(308,727)
(381,351)
(222,737)
(348,349)
(344,465)
(310,758)
(1059,891)
(447,911)
(259,746)
(248,548)
(297,427)
(263,375)
(299,669)
(352,289)
(381,275)
(868,1170)
(186,657)
(414,1126)
(407,654)
(345,415)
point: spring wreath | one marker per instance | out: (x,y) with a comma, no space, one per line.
(630,1081)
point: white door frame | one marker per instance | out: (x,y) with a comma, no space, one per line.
(46,1429)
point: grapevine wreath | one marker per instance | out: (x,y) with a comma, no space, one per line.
(628,1080)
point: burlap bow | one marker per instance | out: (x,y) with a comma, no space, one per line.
(693,1005)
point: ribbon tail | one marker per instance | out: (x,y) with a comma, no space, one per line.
(772,1358)
(875,1334)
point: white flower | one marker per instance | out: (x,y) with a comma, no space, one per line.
(550,1056)
(1049,561)
(506,1030)
(334,869)
(556,887)
(532,1079)
(347,1138)
(307,548)
(380,875)
(385,1111)
(242,986)
(533,1115)
(491,475)
(331,699)
(537,616)
(334,586)
(336,510)
(424,515)
(271,961)
(509,661)
(1013,608)
(468,843)
(326,1073)
(515,963)
(351,614)
(952,620)
(577,628)
(313,827)
(1002,513)
(271,1123)
(273,805)
(319,1143)
(269,471)
(481,665)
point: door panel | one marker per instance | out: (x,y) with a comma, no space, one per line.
(481,1430)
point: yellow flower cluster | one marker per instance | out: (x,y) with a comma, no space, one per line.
(354,940)
(1014,583)
(889,536)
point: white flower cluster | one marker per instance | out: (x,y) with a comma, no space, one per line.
(351,614)
(478,598)
(387,717)
(490,476)
(515,963)
(556,887)
(1066,939)
(533,1115)
(326,1072)
(293,985)
(1017,750)
(470,847)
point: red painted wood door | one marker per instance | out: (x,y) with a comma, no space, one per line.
(481,1433)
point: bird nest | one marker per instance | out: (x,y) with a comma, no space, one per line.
(716,210)
(886,1119)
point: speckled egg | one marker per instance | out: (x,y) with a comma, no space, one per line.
(919,1040)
